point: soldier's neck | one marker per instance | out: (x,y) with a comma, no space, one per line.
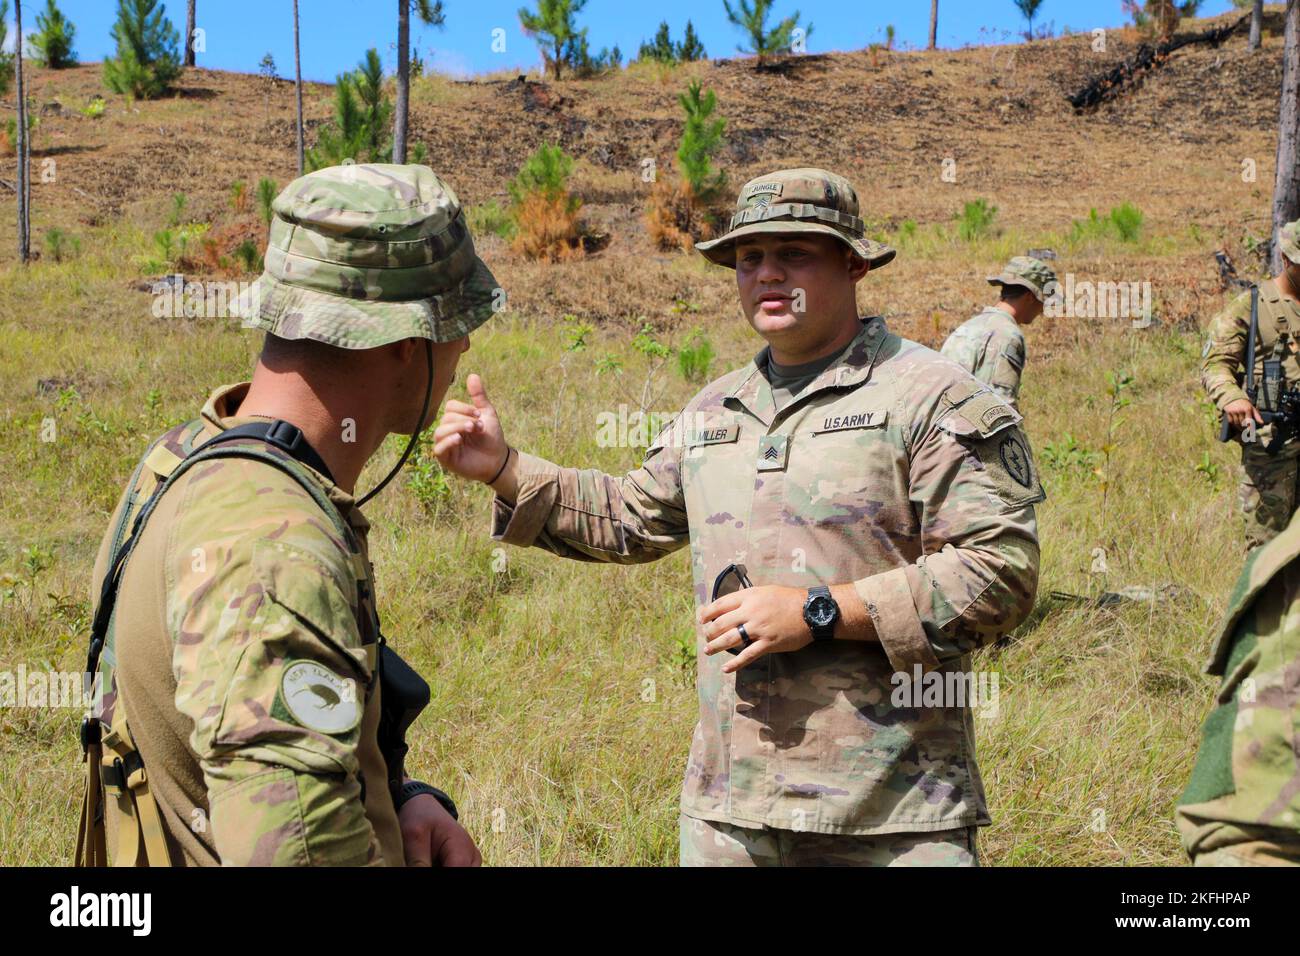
(1286,286)
(343,433)
(810,349)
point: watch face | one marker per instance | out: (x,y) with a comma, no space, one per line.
(821,611)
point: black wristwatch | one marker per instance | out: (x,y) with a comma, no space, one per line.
(413,788)
(820,612)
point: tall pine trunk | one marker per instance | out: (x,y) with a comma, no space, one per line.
(23,147)
(189,33)
(297,69)
(1286,188)
(934,23)
(403,80)
(1256,25)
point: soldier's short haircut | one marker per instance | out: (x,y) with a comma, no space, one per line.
(1011,293)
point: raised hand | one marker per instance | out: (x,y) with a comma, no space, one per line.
(469,440)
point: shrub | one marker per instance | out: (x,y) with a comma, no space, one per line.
(695,357)
(248,256)
(59,245)
(975,220)
(489,217)
(267,190)
(546,228)
(239,197)
(9,136)
(179,201)
(543,211)
(94,109)
(1123,222)
(146,60)
(6,59)
(1127,222)
(672,220)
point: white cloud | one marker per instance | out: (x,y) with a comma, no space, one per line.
(452,63)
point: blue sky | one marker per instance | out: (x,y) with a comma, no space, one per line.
(336,33)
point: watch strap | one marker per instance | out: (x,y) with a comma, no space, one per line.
(413,788)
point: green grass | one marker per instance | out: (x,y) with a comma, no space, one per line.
(563,695)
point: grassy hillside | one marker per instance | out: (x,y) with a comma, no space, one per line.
(563,693)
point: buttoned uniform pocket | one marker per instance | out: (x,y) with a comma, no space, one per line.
(716,470)
(844,471)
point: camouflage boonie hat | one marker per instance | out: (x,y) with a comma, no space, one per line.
(363,255)
(1033,274)
(797,201)
(1288,240)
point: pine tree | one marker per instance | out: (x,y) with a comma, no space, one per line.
(23,144)
(701,140)
(362,115)
(189,32)
(690,49)
(431,15)
(661,48)
(297,69)
(146,60)
(6,59)
(1029,10)
(52,42)
(1286,186)
(555,28)
(751,17)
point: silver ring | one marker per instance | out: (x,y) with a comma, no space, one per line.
(744,635)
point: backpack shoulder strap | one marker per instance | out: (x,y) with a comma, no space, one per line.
(113,761)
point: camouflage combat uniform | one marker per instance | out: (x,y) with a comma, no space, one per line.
(243,648)
(893,470)
(1267,492)
(990,344)
(1242,805)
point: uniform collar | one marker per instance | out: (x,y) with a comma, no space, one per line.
(852,367)
(1269,292)
(1006,317)
(219,414)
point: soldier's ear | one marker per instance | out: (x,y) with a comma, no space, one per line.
(406,349)
(857,267)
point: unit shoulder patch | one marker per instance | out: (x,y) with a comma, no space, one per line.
(319,699)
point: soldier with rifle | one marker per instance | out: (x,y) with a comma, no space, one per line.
(1250,371)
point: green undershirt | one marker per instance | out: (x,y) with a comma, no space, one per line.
(788,381)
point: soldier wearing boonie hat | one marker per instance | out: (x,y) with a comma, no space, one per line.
(859,513)
(990,344)
(1267,492)
(236,622)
